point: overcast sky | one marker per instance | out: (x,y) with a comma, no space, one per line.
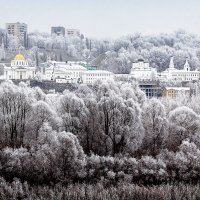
(104,18)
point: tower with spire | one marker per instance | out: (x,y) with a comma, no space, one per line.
(2,50)
(186,66)
(171,65)
(185,74)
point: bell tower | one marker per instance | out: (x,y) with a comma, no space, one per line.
(186,66)
(171,65)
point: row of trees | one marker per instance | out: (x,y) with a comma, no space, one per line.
(109,132)
(123,191)
(114,55)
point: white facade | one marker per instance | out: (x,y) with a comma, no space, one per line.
(122,77)
(19,69)
(73,72)
(91,76)
(63,80)
(184,74)
(142,71)
(53,70)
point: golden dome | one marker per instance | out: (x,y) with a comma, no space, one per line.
(19,57)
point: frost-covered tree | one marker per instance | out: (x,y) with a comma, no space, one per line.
(56,157)
(120,123)
(155,125)
(94,138)
(15,107)
(74,114)
(183,123)
(41,113)
(71,157)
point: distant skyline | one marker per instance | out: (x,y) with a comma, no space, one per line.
(104,18)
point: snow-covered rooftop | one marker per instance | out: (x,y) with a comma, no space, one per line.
(178,88)
(69,67)
(98,72)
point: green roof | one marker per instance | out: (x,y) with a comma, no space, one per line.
(91,67)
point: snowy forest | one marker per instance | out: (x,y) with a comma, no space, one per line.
(107,141)
(115,55)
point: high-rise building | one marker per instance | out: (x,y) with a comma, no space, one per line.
(58,30)
(18,30)
(72,32)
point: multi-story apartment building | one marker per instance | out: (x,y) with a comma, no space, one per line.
(58,30)
(72,32)
(18,30)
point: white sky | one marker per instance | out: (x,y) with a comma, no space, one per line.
(104,18)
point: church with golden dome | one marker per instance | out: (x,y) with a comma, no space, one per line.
(19,68)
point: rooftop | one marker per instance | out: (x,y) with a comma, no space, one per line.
(178,88)
(19,57)
(98,71)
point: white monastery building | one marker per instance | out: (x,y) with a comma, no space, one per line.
(90,76)
(19,69)
(142,71)
(64,72)
(72,72)
(184,74)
